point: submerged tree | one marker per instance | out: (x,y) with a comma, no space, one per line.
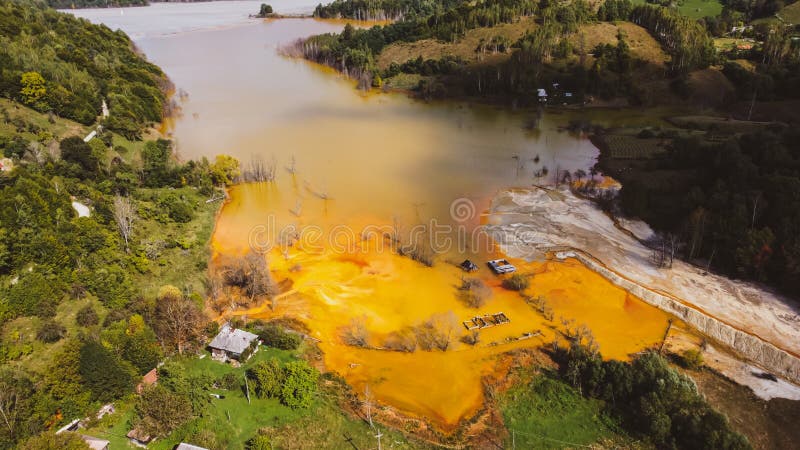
(474,292)
(437,332)
(355,333)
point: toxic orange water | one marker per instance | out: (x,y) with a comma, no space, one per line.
(371,160)
(389,292)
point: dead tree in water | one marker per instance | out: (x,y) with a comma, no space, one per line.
(355,334)
(259,170)
(250,274)
(292,168)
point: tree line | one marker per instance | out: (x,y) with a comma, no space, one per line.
(732,205)
(649,398)
(355,51)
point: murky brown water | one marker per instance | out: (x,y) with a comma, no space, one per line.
(378,160)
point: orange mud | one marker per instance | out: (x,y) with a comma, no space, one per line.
(389,292)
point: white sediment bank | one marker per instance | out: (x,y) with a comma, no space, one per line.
(757,325)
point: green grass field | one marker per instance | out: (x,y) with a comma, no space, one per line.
(33,120)
(229,422)
(696,9)
(545,413)
(183,261)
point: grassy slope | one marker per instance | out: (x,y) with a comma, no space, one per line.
(791,13)
(696,9)
(641,43)
(464,48)
(547,413)
(60,129)
(323,425)
(177,266)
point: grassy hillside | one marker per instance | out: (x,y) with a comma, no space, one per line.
(791,13)
(546,413)
(67,4)
(230,421)
(696,9)
(465,47)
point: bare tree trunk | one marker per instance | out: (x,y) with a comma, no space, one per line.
(124,216)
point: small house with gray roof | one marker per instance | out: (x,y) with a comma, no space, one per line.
(232,343)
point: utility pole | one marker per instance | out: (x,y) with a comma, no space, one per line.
(248,389)
(513,440)
(666,334)
(368,404)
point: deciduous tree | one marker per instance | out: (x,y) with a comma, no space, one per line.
(160,411)
(179,321)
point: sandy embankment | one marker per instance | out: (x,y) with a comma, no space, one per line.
(758,325)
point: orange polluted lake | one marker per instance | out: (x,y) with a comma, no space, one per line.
(366,160)
(331,286)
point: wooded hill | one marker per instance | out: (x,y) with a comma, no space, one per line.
(56,63)
(519,46)
(552,46)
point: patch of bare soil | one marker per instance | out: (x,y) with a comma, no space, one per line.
(767,424)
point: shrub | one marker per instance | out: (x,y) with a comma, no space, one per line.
(471,338)
(516,282)
(33,294)
(268,377)
(265,9)
(355,334)
(229,381)
(691,358)
(474,292)
(260,442)
(87,316)
(51,331)
(176,208)
(401,341)
(277,337)
(104,373)
(299,385)
(160,411)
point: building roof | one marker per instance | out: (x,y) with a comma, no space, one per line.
(139,436)
(95,443)
(150,377)
(185,446)
(232,340)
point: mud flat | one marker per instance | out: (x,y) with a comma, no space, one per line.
(758,325)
